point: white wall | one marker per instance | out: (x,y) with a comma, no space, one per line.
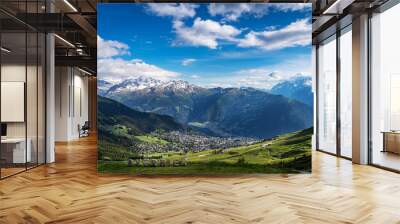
(62,82)
(80,110)
(71,102)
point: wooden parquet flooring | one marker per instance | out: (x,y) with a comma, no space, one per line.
(70,191)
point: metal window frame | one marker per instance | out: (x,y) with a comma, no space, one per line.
(387,5)
(340,29)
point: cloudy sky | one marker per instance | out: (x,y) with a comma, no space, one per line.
(246,44)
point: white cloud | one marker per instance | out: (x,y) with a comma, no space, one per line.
(175,10)
(262,77)
(204,33)
(297,33)
(291,7)
(117,69)
(112,68)
(210,33)
(188,61)
(267,77)
(233,11)
(110,48)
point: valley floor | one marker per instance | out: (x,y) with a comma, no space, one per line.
(288,153)
(71,191)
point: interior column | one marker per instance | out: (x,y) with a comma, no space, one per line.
(360,90)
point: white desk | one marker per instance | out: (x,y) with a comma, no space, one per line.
(19,153)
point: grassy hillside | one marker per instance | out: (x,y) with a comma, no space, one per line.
(151,139)
(111,112)
(121,128)
(289,153)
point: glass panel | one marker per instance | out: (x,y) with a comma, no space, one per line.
(13,86)
(32,88)
(41,99)
(346,94)
(23,90)
(327,96)
(385,84)
(31,98)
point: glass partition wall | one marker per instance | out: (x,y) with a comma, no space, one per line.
(345,91)
(334,84)
(385,89)
(22,78)
(327,95)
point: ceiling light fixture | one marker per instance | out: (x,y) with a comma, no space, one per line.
(79,51)
(64,40)
(5,50)
(70,5)
(84,71)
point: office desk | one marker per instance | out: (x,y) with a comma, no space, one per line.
(391,141)
(13,150)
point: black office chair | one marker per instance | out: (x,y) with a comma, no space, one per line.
(84,130)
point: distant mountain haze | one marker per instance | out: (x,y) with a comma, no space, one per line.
(298,88)
(244,112)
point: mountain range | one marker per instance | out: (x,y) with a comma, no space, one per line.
(298,88)
(244,112)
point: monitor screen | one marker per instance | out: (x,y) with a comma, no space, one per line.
(3,129)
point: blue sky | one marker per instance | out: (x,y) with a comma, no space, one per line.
(246,44)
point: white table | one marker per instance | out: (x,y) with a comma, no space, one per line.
(19,153)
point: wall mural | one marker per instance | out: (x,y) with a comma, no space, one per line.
(204,88)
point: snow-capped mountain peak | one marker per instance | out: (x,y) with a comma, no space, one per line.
(129,85)
(178,85)
(148,84)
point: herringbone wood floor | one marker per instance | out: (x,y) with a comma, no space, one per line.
(70,191)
